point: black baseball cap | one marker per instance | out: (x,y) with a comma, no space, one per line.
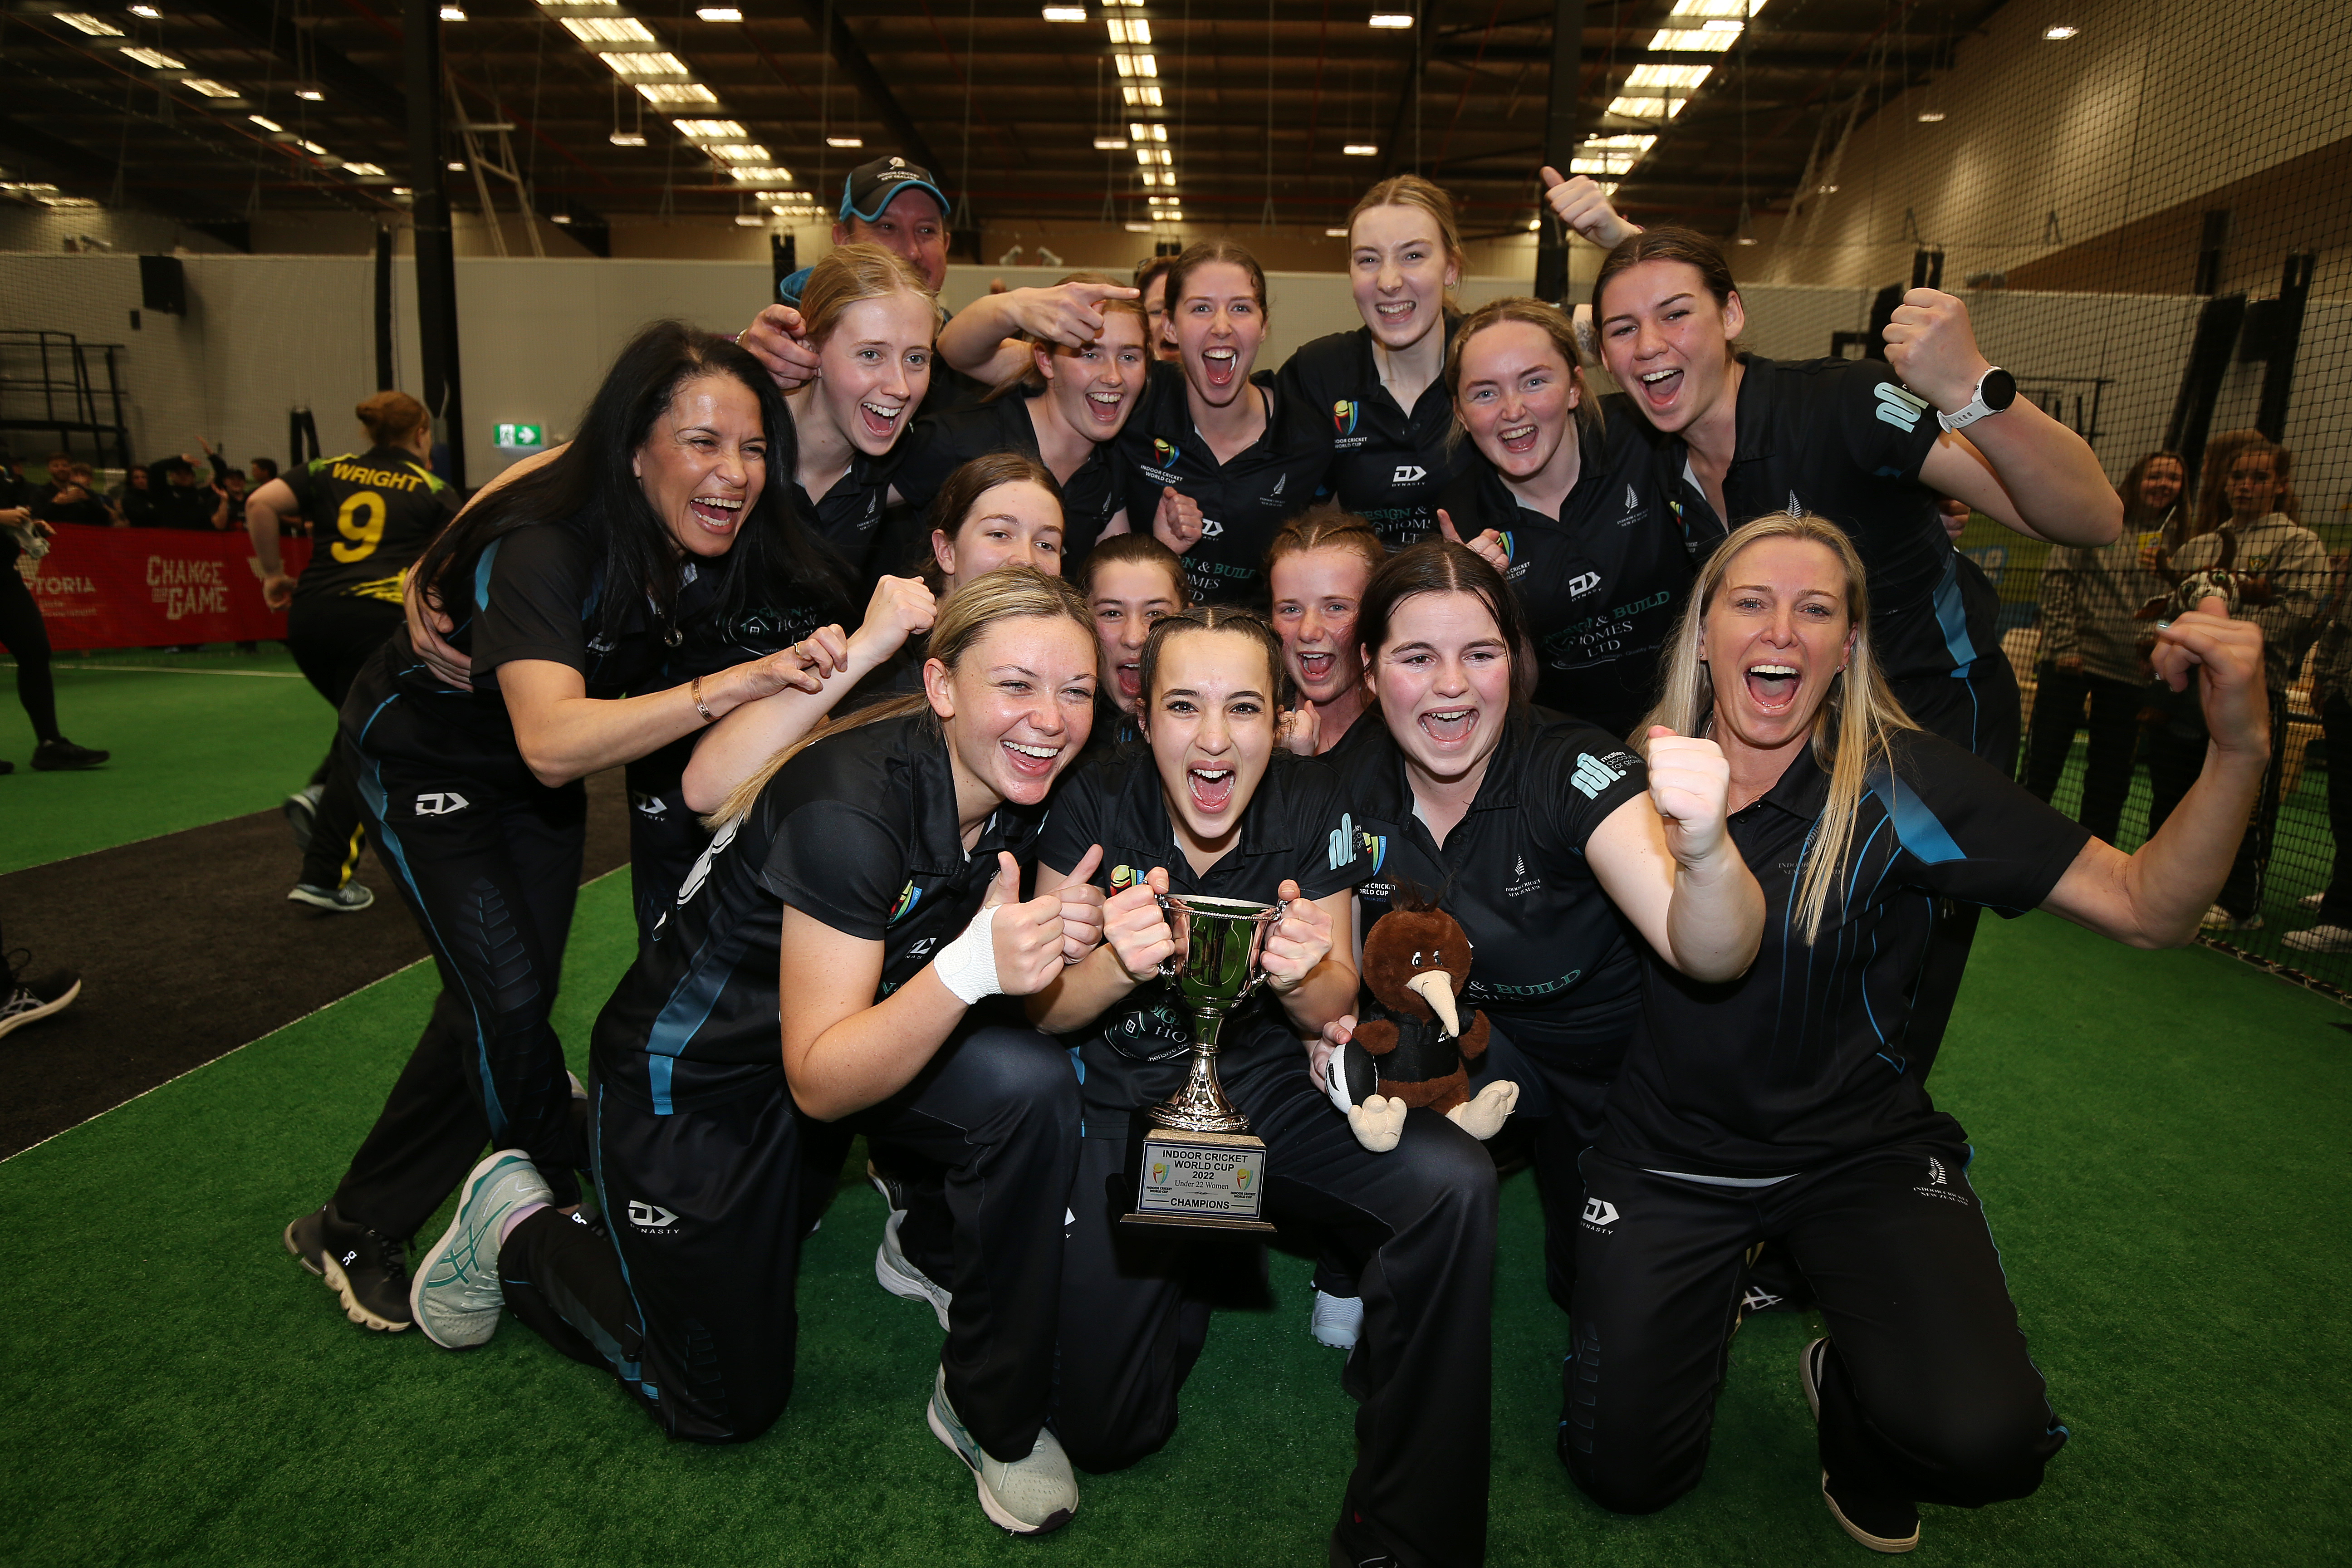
(872,186)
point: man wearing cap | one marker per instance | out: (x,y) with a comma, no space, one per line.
(897,205)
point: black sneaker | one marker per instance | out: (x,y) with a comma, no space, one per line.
(367,1269)
(348,899)
(1356,1544)
(59,754)
(1883,1524)
(26,998)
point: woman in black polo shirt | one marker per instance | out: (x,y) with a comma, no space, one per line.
(1064,408)
(869,317)
(1371,401)
(1564,485)
(1203,463)
(1558,850)
(1789,1105)
(567,582)
(1215,808)
(865,887)
(1317,569)
(1129,582)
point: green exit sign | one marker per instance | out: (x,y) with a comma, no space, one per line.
(521,437)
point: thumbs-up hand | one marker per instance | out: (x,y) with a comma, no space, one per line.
(1137,928)
(1690,781)
(1300,940)
(1082,908)
(1488,546)
(1178,522)
(1584,206)
(1026,938)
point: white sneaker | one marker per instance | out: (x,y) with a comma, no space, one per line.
(1338,1321)
(2219,919)
(2320,939)
(1037,1494)
(457,1296)
(902,1278)
(2312,901)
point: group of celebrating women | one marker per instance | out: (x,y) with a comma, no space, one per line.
(1668,697)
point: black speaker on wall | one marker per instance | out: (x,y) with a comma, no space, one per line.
(164,285)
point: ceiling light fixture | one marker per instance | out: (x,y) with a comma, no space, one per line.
(676,92)
(563,218)
(1138,31)
(1335,233)
(155,59)
(1110,143)
(149,12)
(711,130)
(1931,117)
(1390,19)
(751,220)
(96,27)
(1065,13)
(309,95)
(457,165)
(608,30)
(626,139)
(1137,65)
(209,88)
(1147,96)
(2060,33)
(368,169)
(265,122)
(718,13)
(453,12)
(1136,227)
(845,140)
(1361,150)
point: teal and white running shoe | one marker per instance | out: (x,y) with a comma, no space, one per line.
(1037,1494)
(456,1299)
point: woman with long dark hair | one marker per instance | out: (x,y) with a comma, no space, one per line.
(1558,849)
(565,585)
(1789,1105)
(2090,650)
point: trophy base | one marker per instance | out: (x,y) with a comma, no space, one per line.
(1212,1180)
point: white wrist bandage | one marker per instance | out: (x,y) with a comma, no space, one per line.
(967,966)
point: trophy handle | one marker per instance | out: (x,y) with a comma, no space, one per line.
(1169,912)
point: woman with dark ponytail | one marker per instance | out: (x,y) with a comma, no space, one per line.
(563,588)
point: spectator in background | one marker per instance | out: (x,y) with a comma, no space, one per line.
(2331,694)
(1149,277)
(179,502)
(258,473)
(228,511)
(2212,507)
(2282,576)
(74,502)
(26,639)
(2091,647)
(60,478)
(135,502)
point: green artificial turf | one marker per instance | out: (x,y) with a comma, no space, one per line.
(2160,1144)
(196,738)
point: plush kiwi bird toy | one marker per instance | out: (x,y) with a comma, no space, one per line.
(1411,1046)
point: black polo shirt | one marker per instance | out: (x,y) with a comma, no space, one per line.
(1296,827)
(1806,1058)
(1553,962)
(1602,584)
(849,519)
(1845,439)
(665,836)
(1242,503)
(940,444)
(373,514)
(537,592)
(1386,464)
(858,831)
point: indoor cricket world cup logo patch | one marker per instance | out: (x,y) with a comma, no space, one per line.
(1122,878)
(908,897)
(1166,452)
(1343,416)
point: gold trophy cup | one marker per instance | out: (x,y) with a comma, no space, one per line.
(1201,1164)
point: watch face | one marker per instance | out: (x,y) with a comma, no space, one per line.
(1999,389)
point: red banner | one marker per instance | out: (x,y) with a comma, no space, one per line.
(151,587)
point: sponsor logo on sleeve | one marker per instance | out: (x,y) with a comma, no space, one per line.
(1592,775)
(1898,407)
(1340,844)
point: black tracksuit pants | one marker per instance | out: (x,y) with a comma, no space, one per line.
(332,637)
(1929,1396)
(1423,1217)
(489,861)
(2115,734)
(1983,712)
(27,637)
(693,1312)
(2336,723)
